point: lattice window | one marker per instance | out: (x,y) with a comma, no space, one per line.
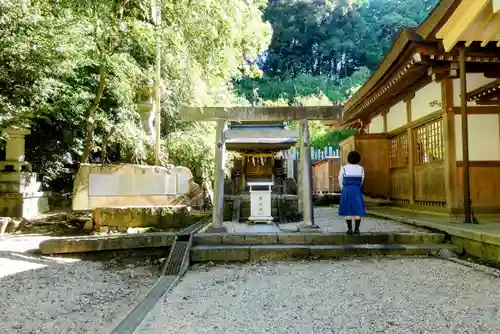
(429,142)
(399,151)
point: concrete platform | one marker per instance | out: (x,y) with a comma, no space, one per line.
(83,244)
(481,241)
(241,253)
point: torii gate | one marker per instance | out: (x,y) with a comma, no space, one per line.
(222,115)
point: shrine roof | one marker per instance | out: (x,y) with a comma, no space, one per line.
(401,62)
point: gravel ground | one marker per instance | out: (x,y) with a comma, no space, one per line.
(64,296)
(329,221)
(377,295)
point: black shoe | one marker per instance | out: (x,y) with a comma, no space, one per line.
(349,227)
(357,222)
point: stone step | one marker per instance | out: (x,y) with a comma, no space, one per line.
(316,238)
(230,253)
(82,244)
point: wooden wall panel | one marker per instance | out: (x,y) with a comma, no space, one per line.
(484,186)
(333,171)
(400,183)
(325,176)
(430,182)
(374,150)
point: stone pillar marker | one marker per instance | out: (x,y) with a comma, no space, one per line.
(220,153)
(306,182)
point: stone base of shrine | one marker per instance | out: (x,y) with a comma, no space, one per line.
(26,205)
(289,207)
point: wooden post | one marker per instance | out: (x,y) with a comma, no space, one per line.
(450,157)
(465,135)
(384,115)
(305,160)
(220,151)
(411,153)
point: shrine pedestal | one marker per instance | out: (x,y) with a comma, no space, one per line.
(260,202)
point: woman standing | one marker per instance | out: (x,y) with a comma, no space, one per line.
(352,206)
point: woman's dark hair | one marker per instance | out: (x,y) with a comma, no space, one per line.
(354,158)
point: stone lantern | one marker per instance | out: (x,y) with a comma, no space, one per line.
(20,192)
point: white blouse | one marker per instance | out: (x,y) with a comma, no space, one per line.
(351,170)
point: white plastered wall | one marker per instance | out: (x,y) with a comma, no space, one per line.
(484,137)
(376,124)
(397,116)
(426,101)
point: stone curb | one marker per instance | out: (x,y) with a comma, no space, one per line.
(479,236)
(82,244)
(316,238)
(242,253)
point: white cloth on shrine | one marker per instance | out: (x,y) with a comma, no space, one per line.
(352,171)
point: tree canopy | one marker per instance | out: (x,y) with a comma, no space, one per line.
(75,71)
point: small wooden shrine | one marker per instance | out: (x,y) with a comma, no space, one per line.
(260,162)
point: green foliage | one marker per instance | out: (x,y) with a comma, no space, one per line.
(323,51)
(321,138)
(291,89)
(71,68)
(55,55)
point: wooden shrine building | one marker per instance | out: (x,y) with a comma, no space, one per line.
(429,116)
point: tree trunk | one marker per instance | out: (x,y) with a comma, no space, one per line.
(90,116)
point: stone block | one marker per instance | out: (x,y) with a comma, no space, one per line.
(472,247)
(162,217)
(292,238)
(418,238)
(28,205)
(219,253)
(108,242)
(278,252)
(249,239)
(326,251)
(491,253)
(208,239)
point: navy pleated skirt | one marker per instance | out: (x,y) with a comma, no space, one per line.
(351,198)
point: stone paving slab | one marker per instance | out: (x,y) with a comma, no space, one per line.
(329,221)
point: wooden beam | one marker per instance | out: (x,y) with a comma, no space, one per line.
(452,22)
(489,88)
(477,110)
(466,13)
(260,113)
(488,101)
(491,31)
(482,24)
